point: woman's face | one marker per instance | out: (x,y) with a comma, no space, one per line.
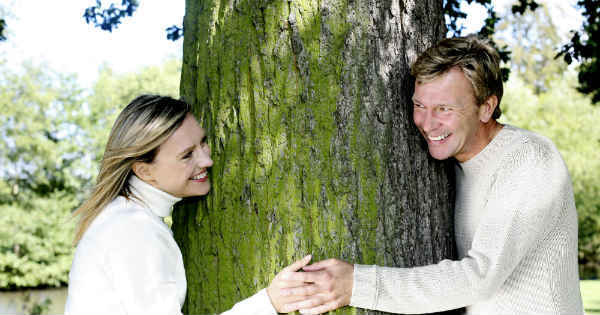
(181,164)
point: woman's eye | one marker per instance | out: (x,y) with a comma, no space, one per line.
(187,155)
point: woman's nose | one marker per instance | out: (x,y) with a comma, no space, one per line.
(204,159)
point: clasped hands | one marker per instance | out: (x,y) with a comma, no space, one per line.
(319,288)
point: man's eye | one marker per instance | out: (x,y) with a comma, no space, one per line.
(444,109)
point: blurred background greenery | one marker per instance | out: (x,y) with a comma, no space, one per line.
(53,131)
(53,135)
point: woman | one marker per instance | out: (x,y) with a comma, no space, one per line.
(127,261)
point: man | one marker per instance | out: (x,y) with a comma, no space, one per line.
(515,216)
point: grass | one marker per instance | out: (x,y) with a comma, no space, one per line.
(590,292)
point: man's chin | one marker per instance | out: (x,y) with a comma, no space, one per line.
(438,155)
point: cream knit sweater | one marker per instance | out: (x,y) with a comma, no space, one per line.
(516,232)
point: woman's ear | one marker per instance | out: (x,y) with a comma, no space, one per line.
(143,171)
(486,110)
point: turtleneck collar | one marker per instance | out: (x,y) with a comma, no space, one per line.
(158,201)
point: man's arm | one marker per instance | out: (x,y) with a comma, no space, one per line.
(521,208)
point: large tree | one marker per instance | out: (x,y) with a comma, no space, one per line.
(307,106)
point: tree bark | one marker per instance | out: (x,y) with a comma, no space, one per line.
(308,111)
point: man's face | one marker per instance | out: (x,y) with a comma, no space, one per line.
(446,113)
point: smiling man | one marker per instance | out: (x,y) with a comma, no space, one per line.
(515,217)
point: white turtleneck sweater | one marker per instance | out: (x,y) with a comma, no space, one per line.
(516,232)
(128,262)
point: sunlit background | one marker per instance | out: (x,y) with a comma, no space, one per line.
(62,82)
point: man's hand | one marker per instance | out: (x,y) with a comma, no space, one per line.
(329,286)
(284,280)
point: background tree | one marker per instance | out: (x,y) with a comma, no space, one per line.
(53,135)
(2,26)
(308,111)
(533,39)
(585,47)
(40,155)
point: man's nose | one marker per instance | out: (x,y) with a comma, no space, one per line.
(429,121)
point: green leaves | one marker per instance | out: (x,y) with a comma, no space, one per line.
(35,241)
(585,47)
(53,135)
(41,144)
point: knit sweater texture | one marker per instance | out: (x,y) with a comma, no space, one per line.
(128,262)
(516,233)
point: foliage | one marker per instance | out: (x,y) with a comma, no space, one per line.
(5,14)
(585,47)
(567,118)
(35,241)
(532,38)
(522,5)
(2,26)
(40,123)
(53,136)
(110,18)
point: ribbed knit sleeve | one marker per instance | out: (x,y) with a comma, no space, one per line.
(523,203)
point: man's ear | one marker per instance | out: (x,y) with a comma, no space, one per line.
(143,171)
(486,110)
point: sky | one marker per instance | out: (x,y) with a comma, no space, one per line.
(55,33)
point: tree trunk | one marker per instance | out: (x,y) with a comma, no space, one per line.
(308,111)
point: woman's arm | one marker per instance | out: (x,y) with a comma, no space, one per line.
(271,300)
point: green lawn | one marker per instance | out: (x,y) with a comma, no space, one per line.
(590,292)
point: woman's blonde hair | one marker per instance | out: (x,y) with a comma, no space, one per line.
(138,132)
(475,57)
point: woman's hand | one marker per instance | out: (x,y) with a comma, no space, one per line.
(281,299)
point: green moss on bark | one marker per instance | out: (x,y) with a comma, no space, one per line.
(299,164)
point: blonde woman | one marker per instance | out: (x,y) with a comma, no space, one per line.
(127,261)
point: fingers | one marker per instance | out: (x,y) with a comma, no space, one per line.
(301,291)
(308,304)
(320,265)
(314,276)
(298,264)
(323,308)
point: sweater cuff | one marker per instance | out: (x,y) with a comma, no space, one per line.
(364,287)
(264,305)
